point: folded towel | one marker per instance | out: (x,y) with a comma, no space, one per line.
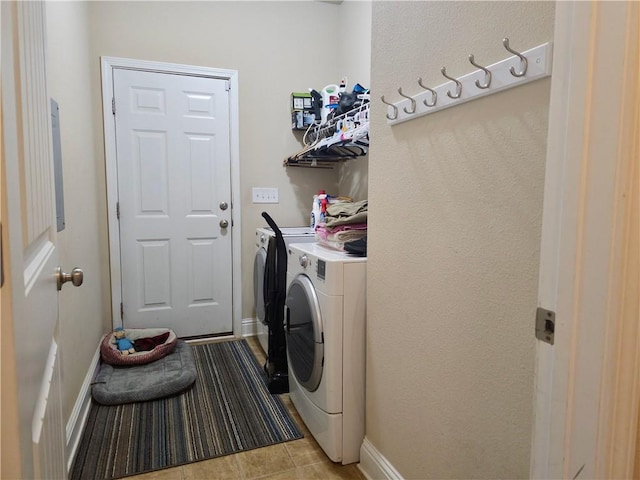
(345,209)
(360,217)
(344,236)
(339,237)
(334,245)
(342,233)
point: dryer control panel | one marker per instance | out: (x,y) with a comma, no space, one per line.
(322,269)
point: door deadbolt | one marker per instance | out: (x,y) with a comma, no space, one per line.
(75,277)
(224,223)
(223,205)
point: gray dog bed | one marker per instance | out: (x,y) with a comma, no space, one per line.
(174,373)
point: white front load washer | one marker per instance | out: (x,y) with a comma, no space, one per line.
(325,320)
(290,235)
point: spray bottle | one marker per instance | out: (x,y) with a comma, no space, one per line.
(343,85)
(324,200)
(315,209)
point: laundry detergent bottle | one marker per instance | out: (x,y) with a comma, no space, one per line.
(330,99)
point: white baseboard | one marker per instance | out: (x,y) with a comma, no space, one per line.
(249,327)
(374,465)
(80,411)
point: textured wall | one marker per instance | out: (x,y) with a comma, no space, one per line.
(455,217)
(84,312)
(355,36)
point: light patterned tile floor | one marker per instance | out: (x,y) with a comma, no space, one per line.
(296,460)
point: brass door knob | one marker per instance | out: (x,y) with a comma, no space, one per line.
(75,277)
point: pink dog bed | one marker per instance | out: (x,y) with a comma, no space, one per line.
(111,355)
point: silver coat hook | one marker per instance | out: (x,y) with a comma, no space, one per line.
(523,60)
(443,70)
(434,94)
(487,73)
(413,102)
(395,109)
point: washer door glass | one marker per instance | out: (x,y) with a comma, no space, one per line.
(304,333)
(259,263)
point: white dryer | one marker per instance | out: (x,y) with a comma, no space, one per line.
(325,326)
(290,235)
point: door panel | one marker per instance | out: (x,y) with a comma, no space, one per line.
(173,157)
(200,274)
(150,168)
(201,151)
(154,265)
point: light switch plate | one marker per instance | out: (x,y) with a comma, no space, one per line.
(264,195)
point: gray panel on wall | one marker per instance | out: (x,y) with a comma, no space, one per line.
(57,164)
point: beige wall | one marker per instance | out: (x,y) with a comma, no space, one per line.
(84,312)
(277,48)
(355,38)
(455,218)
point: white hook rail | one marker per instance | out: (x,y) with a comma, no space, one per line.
(417,105)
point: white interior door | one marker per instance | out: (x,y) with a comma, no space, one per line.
(174,194)
(33,256)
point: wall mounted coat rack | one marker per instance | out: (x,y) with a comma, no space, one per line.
(518,69)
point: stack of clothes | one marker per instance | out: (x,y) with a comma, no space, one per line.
(344,227)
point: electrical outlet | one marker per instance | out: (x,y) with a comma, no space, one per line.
(264,195)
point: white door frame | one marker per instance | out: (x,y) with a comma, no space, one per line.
(108,65)
(588,383)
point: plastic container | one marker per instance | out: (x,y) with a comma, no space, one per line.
(323,208)
(322,204)
(330,99)
(316,208)
(315,212)
(343,85)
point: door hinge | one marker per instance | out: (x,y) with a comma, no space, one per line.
(113,105)
(545,325)
(121,311)
(227,85)
(118,210)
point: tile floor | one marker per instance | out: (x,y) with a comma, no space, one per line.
(298,459)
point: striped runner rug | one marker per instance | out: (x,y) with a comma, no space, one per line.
(228,410)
